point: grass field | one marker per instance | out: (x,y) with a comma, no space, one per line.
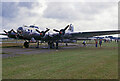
(80,63)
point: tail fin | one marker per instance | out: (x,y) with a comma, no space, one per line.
(71,28)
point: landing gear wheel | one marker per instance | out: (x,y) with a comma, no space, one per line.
(26,44)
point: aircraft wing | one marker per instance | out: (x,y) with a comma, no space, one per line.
(94,33)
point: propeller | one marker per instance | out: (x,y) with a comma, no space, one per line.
(9,32)
(42,33)
(16,33)
(62,31)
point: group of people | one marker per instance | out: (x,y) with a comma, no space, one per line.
(96,42)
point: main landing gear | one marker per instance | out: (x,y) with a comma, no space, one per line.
(51,45)
(26,44)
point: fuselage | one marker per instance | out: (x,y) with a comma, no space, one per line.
(30,32)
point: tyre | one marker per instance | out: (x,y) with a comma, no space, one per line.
(26,44)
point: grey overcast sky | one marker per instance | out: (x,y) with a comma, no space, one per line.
(85,15)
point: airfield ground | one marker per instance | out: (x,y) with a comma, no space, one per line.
(72,62)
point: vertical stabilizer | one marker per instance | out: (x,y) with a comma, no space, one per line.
(71,28)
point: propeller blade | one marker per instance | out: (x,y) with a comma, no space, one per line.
(38,31)
(16,34)
(47,30)
(5,31)
(10,31)
(56,30)
(66,27)
(14,31)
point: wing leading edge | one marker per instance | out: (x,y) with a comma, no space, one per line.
(94,33)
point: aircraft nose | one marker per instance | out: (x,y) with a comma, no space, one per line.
(20,29)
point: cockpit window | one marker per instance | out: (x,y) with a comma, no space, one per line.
(32,26)
(36,27)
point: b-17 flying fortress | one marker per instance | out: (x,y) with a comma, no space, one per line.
(33,34)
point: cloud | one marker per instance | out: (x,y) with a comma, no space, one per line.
(85,16)
(75,11)
(26,4)
(9,9)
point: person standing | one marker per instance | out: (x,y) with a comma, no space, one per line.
(100,42)
(96,42)
(84,43)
